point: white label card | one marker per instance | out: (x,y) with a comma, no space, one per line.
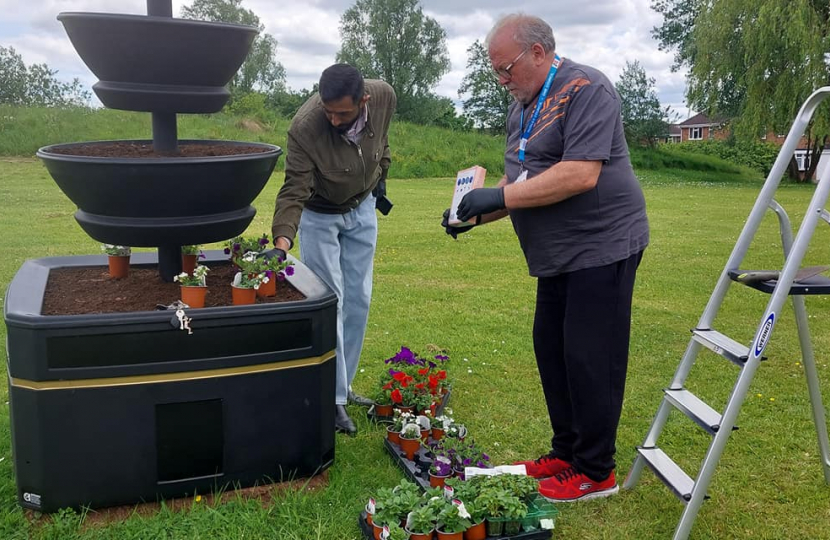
(522,177)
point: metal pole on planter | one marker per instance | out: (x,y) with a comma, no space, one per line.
(165,141)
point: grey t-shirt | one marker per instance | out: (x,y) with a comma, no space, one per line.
(580,121)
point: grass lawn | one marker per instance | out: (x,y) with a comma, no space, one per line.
(474,298)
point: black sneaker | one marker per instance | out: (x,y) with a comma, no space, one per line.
(356,399)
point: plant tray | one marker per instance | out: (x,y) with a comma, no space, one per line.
(388,419)
(366,529)
(417,470)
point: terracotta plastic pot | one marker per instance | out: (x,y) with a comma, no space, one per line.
(450,536)
(410,447)
(376,530)
(194,296)
(476,532)
(119,267)
(189,263)
(267,289)
(437,481)
(242,296)
(404,409)
(437,434)
(393,436)
(383,410)
(418,536)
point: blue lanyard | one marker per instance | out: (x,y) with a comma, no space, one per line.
(543,95)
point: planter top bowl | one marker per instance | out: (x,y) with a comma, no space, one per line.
(160,200)
(159,64)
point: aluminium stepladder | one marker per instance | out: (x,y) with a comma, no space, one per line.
(690,491)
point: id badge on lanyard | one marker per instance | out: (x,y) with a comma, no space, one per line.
(543,95)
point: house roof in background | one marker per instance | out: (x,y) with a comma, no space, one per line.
(701,119)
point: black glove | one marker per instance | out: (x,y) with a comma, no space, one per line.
(276,252)
(455,231)
(383,204)
(480,201)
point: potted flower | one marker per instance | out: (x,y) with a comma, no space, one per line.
(193,287)
(249,278)
(495,503)
(478,529)
(238,247)
(441,467)
(513,510)
(276,269)
(383,402)
(440,424)
(399,419)
(452,522)
(190,256)
(421,522)
(393,532)
(118,259)
(410,440)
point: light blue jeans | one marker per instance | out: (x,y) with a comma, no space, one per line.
(340,249)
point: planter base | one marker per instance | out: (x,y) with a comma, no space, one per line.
(160,413)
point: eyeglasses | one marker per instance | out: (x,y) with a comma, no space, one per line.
(505,71)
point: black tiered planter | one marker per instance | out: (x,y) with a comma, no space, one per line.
(119,408)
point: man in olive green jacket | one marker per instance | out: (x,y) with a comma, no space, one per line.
(335,174)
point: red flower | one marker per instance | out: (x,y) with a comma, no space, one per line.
(442,375)
(399,376)
(396,396)
(423,372)
(419,386)
(433,381)
(388,386)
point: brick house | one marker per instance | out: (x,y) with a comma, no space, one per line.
(700,128)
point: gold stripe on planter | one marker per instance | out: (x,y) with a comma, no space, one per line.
(171,377)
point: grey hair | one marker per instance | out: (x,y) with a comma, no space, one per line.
(527,31)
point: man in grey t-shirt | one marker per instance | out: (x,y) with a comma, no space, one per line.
(579,214)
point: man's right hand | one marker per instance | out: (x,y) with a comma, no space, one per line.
(453,231)
(276,252)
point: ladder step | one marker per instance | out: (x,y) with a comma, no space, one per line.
(695,408)
(722,345)
(668,471)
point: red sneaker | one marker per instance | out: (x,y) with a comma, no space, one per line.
(544,467)
(570,485)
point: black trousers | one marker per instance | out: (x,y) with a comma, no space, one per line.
(580,335)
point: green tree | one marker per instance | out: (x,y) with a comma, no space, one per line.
(676,31)
(261,72)
(36,85)
(488,101)
(393,40)
(644,120)
(755,61)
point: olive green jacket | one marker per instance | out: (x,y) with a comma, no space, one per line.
(324,171)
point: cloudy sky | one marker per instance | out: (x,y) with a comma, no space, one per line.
(601,33)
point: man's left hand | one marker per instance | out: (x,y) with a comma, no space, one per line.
(481,201)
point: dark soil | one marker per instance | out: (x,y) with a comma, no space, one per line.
(145,150)
(76,291)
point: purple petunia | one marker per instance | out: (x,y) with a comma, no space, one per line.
(442,357)
(263,241)
(227,251)
(289,270)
